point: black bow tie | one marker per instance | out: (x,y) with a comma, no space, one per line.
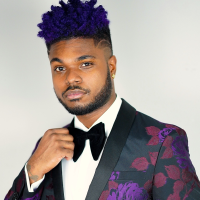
(96,135)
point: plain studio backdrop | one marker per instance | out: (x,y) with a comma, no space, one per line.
(157,44)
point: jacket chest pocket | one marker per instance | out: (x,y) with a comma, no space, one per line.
(126,185)
(128,175)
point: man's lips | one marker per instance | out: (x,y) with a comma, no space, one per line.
(74,94)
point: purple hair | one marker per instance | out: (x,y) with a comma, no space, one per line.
(75,19)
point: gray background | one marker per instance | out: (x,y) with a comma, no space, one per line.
(157,44)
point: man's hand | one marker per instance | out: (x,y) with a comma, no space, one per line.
(55,145)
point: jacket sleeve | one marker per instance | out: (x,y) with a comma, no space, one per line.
(19,188)
(175,176)
(20,191)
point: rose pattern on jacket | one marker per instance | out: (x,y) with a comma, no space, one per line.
(181,152)
(127,191)
(177,147)
(114,176)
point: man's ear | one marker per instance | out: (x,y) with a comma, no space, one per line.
(112,63)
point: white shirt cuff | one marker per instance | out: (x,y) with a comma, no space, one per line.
(34,186)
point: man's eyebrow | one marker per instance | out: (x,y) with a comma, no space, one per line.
(85,57)
(56,60)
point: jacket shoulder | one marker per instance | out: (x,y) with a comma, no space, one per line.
(148,121)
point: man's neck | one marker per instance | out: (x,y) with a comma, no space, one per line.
(89,119)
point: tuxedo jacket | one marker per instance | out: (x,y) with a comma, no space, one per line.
(142,159)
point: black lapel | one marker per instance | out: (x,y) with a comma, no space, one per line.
(58,182)
(57,177)
(113,148)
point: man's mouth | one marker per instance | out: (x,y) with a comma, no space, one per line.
(74,94)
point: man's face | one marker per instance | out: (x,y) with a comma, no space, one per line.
(81,75)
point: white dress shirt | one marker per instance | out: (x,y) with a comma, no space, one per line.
(77,176)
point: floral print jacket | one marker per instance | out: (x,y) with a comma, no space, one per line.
(153,163)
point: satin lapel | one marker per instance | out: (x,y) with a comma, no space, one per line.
(57,182)
(113,148)
(57,176)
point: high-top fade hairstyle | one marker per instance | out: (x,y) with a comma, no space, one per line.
(75,19)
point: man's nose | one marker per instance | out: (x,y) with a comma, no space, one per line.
(73,77)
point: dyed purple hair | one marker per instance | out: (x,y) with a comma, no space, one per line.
(75,19)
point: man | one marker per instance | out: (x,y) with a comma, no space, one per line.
(108,151)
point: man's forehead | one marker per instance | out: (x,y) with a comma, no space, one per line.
(78,43)
(74,49)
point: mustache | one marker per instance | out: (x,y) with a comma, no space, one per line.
(75,87)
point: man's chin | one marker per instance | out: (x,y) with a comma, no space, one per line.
(76,107)
(78,110)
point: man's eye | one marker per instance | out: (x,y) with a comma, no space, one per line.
(59,69)
(86,64)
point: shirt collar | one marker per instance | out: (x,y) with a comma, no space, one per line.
(108,118)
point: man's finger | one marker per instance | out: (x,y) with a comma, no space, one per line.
(66,144)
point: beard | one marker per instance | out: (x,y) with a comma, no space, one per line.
(98,101)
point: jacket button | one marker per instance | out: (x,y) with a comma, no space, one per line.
(15,196)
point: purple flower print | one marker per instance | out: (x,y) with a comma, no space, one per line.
(127,191)
(181,152)
(36,197)
(164,133)
(158,136)
(180,146)
(114,176)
